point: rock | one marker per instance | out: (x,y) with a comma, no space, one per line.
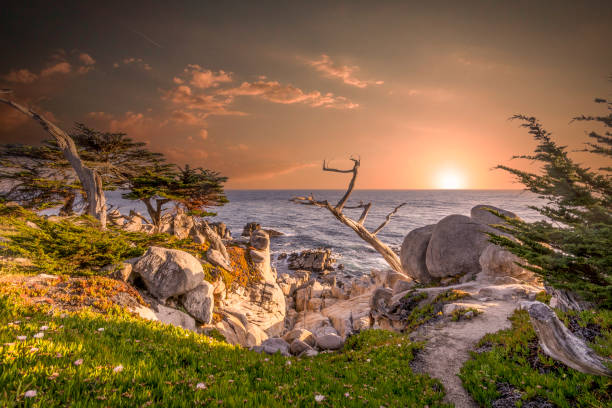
(219,288)
(181,224)
(324,330)
(315,304)
(32,225)
(133,224)
(216,258)
(329,342)
(313,260)
(199,302)
(300,334)
(481,214)
(455,246)
(402,286)
(115,218)
(309,353)
(167,315)
(260,240)
(394,277)
(273,233)
(381,299)
(506,292)
(281,256)
(123,272)
(497,262)
(275,345)
(168,272)
(297,347)
(449,308)
(414,251)
(566,300)
(212,238)
(559,343)
(249,228)
(221,229)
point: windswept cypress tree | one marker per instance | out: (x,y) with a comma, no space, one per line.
(572,248)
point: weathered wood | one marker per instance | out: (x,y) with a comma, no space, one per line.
(370,237)
(90,179)
(559,343)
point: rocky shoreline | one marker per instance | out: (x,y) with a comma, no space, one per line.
(315,306)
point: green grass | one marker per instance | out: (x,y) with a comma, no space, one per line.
(163,365)
(516,359)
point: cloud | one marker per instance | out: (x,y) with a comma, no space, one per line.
(204,134)
(22,76)
(211,104)
(344,72)
(188,118)
(133,61)
(86,59)
(239,146)
(63,67)
(205,78)
(274,91)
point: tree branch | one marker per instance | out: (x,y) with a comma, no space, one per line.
(386,221)
(354,170)
(364,214)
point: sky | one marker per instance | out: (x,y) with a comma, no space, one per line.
(265,91)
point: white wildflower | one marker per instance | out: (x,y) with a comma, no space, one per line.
(39,335)
(43,328)
(319,397)
(101,329)
(33,349)
(22,338)
(78,362)
(118,369)
(30,394)
(201,386)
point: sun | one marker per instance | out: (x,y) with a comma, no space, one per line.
(449,179)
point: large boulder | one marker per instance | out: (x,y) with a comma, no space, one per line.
(455,246)
(250,228)
(275,345)
(497,262)
(168,272)
(414,251)
(481,214)
(330,342)
(199,302)
(167,315)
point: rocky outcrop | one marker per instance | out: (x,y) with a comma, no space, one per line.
(455,246)
(221,229)
(413,253)
(317,260)
(261,302)
(498,264)
(199,302)
(167,315)
(168,272)
(249,228)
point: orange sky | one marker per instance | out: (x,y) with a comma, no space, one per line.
(265,92)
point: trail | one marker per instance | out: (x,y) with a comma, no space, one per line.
(448,345)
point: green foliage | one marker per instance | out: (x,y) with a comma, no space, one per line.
(571,249)
(42,176)
(163,365)
(516,359)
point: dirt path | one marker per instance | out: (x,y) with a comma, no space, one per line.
(448,345)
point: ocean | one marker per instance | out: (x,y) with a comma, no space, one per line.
(308,227)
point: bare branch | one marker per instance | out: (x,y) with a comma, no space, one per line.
(344,199)
(309,200)
(364,214)
(386,221)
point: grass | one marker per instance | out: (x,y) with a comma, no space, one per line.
(132,362)
(515,358)
(459,314)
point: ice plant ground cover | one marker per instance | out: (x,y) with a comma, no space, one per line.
(511,362)
(167,366)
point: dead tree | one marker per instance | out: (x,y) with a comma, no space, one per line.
(90,179)
(357,226)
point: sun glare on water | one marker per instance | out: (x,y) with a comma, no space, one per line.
(450,180)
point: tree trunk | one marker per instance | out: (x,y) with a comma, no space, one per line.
(387,253)
(370,237)
(90,179)
(68,207)
(558,342)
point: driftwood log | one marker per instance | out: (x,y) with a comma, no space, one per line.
(559,343)
(90,179)
(370,237)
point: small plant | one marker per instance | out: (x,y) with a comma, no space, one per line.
(464,313)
